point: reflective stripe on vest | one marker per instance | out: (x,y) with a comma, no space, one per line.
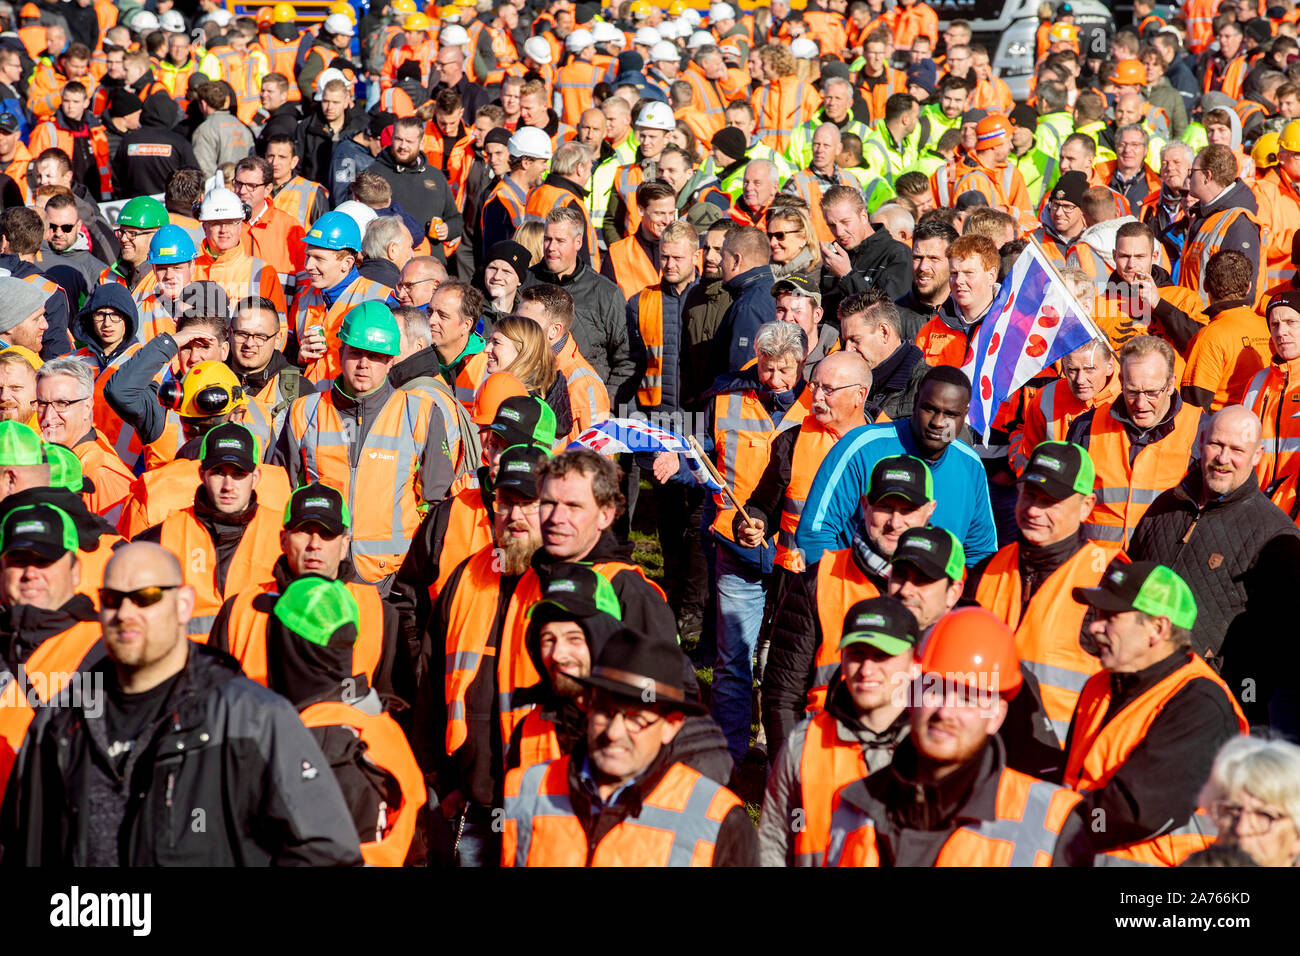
(650,319)
(295,199)
(1209,240)
(788,116)
(633,269)
(826,763)
(50,667)
(840,585)
(810,450)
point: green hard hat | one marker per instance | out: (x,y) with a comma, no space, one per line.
(372,326)
(143,212)
(65,468)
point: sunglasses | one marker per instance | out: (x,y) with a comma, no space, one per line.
(780,234)
(140,597)
(63,227)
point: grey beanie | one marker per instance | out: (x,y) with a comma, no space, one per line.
(18,300)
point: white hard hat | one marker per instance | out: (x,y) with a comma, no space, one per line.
(221,203)
(325,75)
(721,11)
(340,25)
(804,49)
(691,16)
(646,36)
(663,50)
(536,49)
(172,21)
(603,32)
(358,212)
(668,30)
(143,22)
(220,16)
(656,115)
(698,39)
(453,35)
(579,40)
(530,142)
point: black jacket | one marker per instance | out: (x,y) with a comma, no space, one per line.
(146,158)
(283,121)
(316,143)
(895,383)
(422,191)
(703,310)
(1240,555)
(752,307)
(114,296)
(878,262)
(54,341)
(599,325)
(380,270)
(227,747)
(472,96)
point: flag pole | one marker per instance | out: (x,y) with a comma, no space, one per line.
(1084,313)
(716,476)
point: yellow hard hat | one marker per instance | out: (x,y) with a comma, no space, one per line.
(417,21)
(208,389)
(405,7)
(676,8)
(283,13)
(345,9)
(1290,138)
(466,3)
(449,13)
(1265,152)
(640,8)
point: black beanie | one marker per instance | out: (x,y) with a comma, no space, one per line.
(507,250)
(730,142)
(499,135)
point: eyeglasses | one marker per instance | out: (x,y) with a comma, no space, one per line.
(257,338)
(140,597)
(108,315)
(635,722)
(815,387)
(1150,394)
(64,226)
(134,234)
(403,284)
(1198,169)
(525,507)
(240,186)
(1258,822)
(60,405)
(780,234)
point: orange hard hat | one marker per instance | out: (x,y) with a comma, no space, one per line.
(496,388)
(1129,73)
(29,10)
(973,643)
(265,16)
(991,130)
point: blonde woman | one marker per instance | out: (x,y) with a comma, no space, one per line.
(518,345)
(529,235)
(1253,795)
(793,243)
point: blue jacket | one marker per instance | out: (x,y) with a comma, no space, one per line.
(960,487)
(752,306)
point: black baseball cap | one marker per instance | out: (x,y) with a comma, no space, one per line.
(525,420)
(229,444)
(883,622)
(318,504)
(935,552)
(1061,469)
(799,285)
(44,530)
(517,470)
(9,123)
(1142,586)
(571,591)
(1071,187)
(906,476)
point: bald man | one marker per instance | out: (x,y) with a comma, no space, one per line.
(760,186)
(898,222)
(251,787)
(1241,557)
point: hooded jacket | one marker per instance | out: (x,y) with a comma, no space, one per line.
(599,325)
(54,341)
(423,192)
(226,744)
(147,157)
(108,296)
(752,306)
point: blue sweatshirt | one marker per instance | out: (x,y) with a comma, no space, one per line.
(960,487)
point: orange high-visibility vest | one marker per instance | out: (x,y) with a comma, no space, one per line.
(469,530)
(246,630)
(299,198)
(650,319)
(512,197)
(162,491)
(1049,415)
(472,372)
(1200,23)
(1003,187)
(145,282)
(626,179)
(537,741)
(826,763)
(281,55)
(1208,240)
(167,445)
(633,269)
(707,96)
(504,52)
(120,436)
(573,86)
(875,95)
(780,106)
(677,825)
(546,197)
(48,135)
(808,184)
(387,749)
(588,397)
(941,344)
(386,514)
(112,479)
(454,163)
(1047,635)
(251,565)
(309,309)
(1125,491)
(1274,395)
(742,437)
(840,585)
(1097,752)
(239,274)
(810,449)
(1030,815)
(275,238)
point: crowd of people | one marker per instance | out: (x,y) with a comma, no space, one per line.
(319,333)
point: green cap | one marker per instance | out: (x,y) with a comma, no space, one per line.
(315,609)
(20,445)
(884,623)
(1142,586)
(904,476)
(65,468)
(143,212)
(935,552)
(372,326)
(42,529)
(1061,469)
(577,590)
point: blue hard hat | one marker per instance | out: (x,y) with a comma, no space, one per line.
(334,230)
(171,244)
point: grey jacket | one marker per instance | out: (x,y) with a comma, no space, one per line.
(1170,100)
(221,138)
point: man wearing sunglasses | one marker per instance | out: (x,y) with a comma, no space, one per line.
(283,809)
(66,243)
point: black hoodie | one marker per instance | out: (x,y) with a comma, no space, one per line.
(147,157)
(107,296)
(423,192)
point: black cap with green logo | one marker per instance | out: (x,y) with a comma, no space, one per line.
(884,623)
(1060,469)
(935,552)
(1142,586)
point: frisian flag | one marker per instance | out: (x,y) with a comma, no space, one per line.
(620,436)
(1034,321)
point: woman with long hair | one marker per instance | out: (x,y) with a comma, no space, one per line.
(518,345)
(793,243)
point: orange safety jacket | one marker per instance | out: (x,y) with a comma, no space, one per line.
(1002,186)
(454,162)
(504,52)
(397,101)
(1030,815)
(162,491)
(1047,627)
(275,237)
(808,185)
(826,763)
(146,280)
(385,746)
(875,94)
(258,550)
(1279,213)
(840,585)
(1099,748)
(469,530)
(1274,395)
(1128,483)
(250,610)
(742,438)
(120,436)
(573,85)
(168,444)
(941,343)
(709,97)
(1208,240)
(1234,74)
(48,134)
(239,274)
(1049,415)
(45,91)
(111,477)
(309,309)
(93,564)
(299,198)
(34,39)
(422,53)
(546,197)
(468,379)
(281,55)
(536,741)
(677,825)
(626,179)
(386,515)
(510,196)
(810,450)
(633,269)
(650,320)
(781,106)
(588,397)
(16,169)
(1200,23)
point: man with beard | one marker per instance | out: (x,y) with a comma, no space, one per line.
(18,386)
(703,310)
(461,730)
(929,291)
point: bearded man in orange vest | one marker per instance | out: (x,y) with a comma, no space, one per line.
(663,812)
(1147,727)
(864,721)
